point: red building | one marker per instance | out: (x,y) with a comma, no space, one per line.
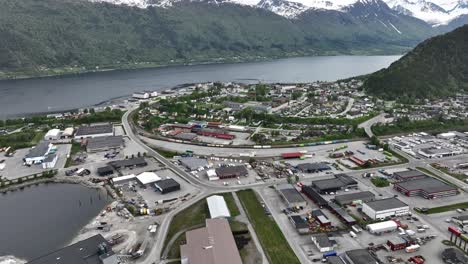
(292,155)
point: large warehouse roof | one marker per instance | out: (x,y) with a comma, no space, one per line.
(218,207)
(290,194)
(231,170)
(148,177)
(193,163)
(104,142)
(386,204)
(349,197)
(428,184)
(93,130)
(212,244)
(408,174)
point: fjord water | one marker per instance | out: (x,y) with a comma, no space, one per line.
(20,97)
(39,219)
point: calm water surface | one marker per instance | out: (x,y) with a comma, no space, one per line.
(39,219)
(19,97)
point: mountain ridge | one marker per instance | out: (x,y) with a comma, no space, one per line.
(437,67)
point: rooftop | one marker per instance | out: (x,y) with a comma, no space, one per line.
(340,181)
(313,166)
(212,244)
(93,130)
(39,150)
(167,183)
(386,204)
(290,193)
(409,174)
(217,206)
(354,196)
(323,240)
(148,177)
(129,162)
(428,184)
(193,163)
(105,142)
(82,252)
(361,256)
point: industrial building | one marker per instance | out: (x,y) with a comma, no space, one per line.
(400,242)
(359,256)
(339,182)
(216,133)
(292,155)
(40,153)
(290,195)
(231,172)
(299,223)
(104,143)
(105,171)
(192,163)
(355,198)
(218,207)
(167,186)
(314,196)
(127,163)
(313,167)
(212,244)
(147,178)
(94,131)
(382,227)
(123,179)
(53,134)
(321,217)
(381,209)
(93,250)
(427,187)
(342,214)
(322,242)
(438,152)
(408,175)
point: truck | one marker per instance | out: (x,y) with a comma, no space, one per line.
(329,254)
(352,234)
(412,248)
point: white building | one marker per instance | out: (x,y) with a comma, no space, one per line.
(211,174)
(38,154)
(322,242)
(381,227)
(146,178)
(381,209)
(53,134)
(218,207)
(123,179)
(141,95)
(68,132)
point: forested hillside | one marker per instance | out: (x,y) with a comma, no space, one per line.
(437,67)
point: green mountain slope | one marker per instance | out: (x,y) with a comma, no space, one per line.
(37,36)
(437,67)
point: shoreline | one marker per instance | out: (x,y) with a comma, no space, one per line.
(131,67)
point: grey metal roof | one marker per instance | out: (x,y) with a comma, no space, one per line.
(320,166)
(167,183)
(386,204)
(105,142)
(349,197)
(360,256)
(129,162)
(335,260)
(39,151)
(291,195)
(408,174)
(185,136)
(193,163)
(428,184)
(299,221)
(340,181)
(323,240)
(93,130)
(83,252)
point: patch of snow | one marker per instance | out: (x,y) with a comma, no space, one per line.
(396,29)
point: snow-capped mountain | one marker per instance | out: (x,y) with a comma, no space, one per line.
(434,12)
(283,8)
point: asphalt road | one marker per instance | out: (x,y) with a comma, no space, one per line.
(155,253)
(369,123)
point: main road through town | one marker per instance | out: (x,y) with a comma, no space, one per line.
(155,253)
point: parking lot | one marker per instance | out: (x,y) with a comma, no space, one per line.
(15,168)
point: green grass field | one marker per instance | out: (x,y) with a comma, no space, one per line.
(272,239)
(450,207)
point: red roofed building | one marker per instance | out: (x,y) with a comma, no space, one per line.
(292,155)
